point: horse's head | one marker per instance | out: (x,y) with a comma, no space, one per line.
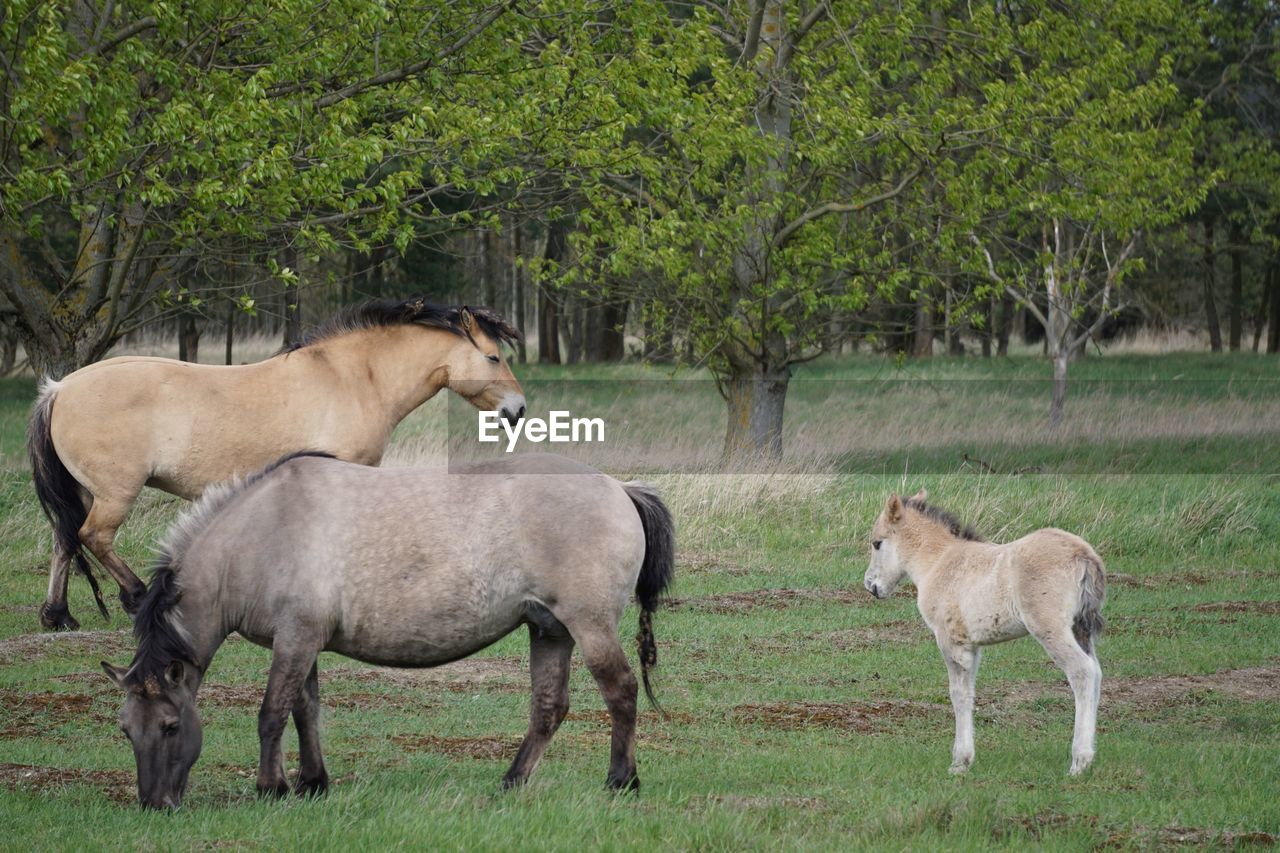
(159,718)
(887,569)
(477,370)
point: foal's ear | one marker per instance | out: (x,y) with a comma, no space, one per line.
(466,318)
(115,673)
(893,509)
(920,497)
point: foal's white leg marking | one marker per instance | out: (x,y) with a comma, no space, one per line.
(962,668)
(1085,676)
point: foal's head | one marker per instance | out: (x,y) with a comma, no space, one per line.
(887,569)
(900,515)
(477,370)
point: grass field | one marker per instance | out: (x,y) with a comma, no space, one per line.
(803,715)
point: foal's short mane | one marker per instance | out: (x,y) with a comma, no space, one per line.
(390,312)
(161,639)
(953,524)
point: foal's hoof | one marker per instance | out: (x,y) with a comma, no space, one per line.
(317,787)
(1079,765)
(959,769)
(630,784)
(278,791)
(57,617)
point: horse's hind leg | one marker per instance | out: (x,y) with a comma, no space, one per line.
(1085,676)
(608,664)
(312,777)
(549,654)
(98,533)
(54,613)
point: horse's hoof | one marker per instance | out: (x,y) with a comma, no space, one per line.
(1079,765)
(317,787)
(630,784)
(510,783)
(278,791)
(958,769)
(57,618)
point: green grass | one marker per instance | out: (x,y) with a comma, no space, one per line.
(1186,516)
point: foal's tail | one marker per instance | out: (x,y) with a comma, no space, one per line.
(656,572)
(57,490)
(1093,592)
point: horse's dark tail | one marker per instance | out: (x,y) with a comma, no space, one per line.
(57,490)
(656,572)
(1093,592)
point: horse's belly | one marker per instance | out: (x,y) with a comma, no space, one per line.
(431,639)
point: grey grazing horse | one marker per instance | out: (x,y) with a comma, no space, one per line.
(399,567)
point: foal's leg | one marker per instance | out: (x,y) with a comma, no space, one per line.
(98,533)
(1085,676)
(291,661)
(962,670)
(312,777)
(608,664)
(549,654)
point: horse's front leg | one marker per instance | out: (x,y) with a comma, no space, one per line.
(549,654)
(291,661)
(962,670)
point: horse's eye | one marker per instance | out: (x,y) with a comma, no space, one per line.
(876,544)
(493,358)
(169,729)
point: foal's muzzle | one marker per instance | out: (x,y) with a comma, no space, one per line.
(873,588)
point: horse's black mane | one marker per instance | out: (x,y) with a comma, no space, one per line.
(160,639)
(391,312)
(953,524)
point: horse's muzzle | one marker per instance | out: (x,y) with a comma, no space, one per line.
(513,415)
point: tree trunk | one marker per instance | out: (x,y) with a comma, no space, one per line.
(990,329)
(1058,407)
(755,398)
(573,310)
(10,355)
(1236,321)
(517,287)
(1210,285)
(922,333)
(231,328)
(188,337)
(548,314)
(1273,322)
(292,303)
(1006,324)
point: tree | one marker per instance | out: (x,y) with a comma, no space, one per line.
(135,137)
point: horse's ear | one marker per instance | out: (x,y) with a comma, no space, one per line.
(893,509)
(175,672)
(115,673)
(467,319)
(920,497)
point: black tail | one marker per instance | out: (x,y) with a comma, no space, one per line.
(656,572)
(1093,592)
(58,491)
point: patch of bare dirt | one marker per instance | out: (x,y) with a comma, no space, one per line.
(600,717)
(1177,579)
(1177,836)
(34,714)
(1269,608)
(1259,683)
(769,599)
(117,785)
(900,632)
(24,648)
(861,717)
(1037,824)
(484,748)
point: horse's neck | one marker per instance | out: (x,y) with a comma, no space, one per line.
(922,552)
(400,366)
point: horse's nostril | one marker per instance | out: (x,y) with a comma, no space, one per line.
(520,414)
